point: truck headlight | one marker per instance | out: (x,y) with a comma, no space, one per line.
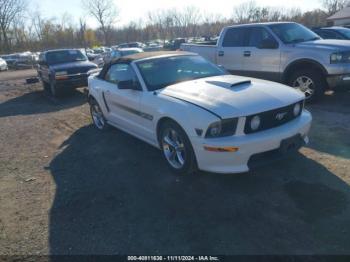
(60,73)
(225,127)
(340,57)
(255,123)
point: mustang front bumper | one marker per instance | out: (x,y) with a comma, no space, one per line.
(248,146)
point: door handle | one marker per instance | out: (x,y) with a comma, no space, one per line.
(246,53)
(221,53)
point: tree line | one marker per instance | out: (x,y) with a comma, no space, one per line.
(21,30)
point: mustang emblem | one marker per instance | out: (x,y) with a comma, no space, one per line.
(280,116)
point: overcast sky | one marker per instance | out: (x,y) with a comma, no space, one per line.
(133,10)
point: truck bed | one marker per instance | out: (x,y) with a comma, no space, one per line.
(205,50)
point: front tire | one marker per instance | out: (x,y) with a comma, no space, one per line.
(177,149)
(55,90)
(97,116)
(310,82)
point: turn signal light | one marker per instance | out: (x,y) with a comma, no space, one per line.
(221,148)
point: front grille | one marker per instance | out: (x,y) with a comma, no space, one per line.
(77,70)
(269,119)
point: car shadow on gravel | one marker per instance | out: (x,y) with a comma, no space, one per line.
(38,102)
(115,195)
(331,124)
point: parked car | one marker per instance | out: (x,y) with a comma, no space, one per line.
(196,113)
(131,45)
(3,65)
(120,52)
(174,44)
(63,69)
(11,60)
(334,32)
(25,60)
(152,46)
(284,52)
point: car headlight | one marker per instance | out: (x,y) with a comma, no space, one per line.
(340,57)
(296,109)
(225,127)
(61,73)
(255,123)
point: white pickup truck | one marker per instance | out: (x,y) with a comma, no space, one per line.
(284,52)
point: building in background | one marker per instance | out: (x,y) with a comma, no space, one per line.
(340,18)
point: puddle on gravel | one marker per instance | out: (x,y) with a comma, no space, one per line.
(317,201)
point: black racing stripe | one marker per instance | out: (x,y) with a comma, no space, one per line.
(104,100)
(184,100)
(134,111)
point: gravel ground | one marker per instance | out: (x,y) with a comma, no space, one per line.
(65,188)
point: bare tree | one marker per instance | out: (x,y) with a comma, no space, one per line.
(244,13)
(82,32)
(105,12)
(10,10)
(333,6)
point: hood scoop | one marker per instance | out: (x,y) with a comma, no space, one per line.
(241,83)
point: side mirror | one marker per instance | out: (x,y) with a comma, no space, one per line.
(268,44)
(42,63)
(128,84)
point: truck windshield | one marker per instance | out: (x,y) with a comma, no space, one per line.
(345,31)
(64,56)
(161,72)
(290,33)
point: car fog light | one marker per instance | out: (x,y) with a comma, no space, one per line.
(296,109)
(255,123)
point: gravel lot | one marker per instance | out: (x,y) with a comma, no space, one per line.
(65,188)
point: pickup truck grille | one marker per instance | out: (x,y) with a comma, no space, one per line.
(77,70)
(272,118)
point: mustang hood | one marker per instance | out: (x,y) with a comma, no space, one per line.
(232,96)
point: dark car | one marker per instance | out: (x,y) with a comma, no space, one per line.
(11,60)
(334,32)
(63,69)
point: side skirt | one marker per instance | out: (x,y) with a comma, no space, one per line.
(150,142)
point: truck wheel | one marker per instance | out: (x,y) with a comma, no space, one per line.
(177,149)
(46,86)
(310,82)
(55,91)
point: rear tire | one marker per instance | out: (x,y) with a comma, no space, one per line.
(177,149)
(310,82)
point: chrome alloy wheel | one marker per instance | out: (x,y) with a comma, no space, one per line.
(173,148)
(305,84)
(97,116)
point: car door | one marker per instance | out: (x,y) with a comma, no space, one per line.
(123,104)
(262,55)
(229,53)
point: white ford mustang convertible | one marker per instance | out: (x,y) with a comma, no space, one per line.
(197,114)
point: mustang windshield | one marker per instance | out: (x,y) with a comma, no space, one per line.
(64,56)
(161,72)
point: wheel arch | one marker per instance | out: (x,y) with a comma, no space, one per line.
(163,120)
(300,64)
